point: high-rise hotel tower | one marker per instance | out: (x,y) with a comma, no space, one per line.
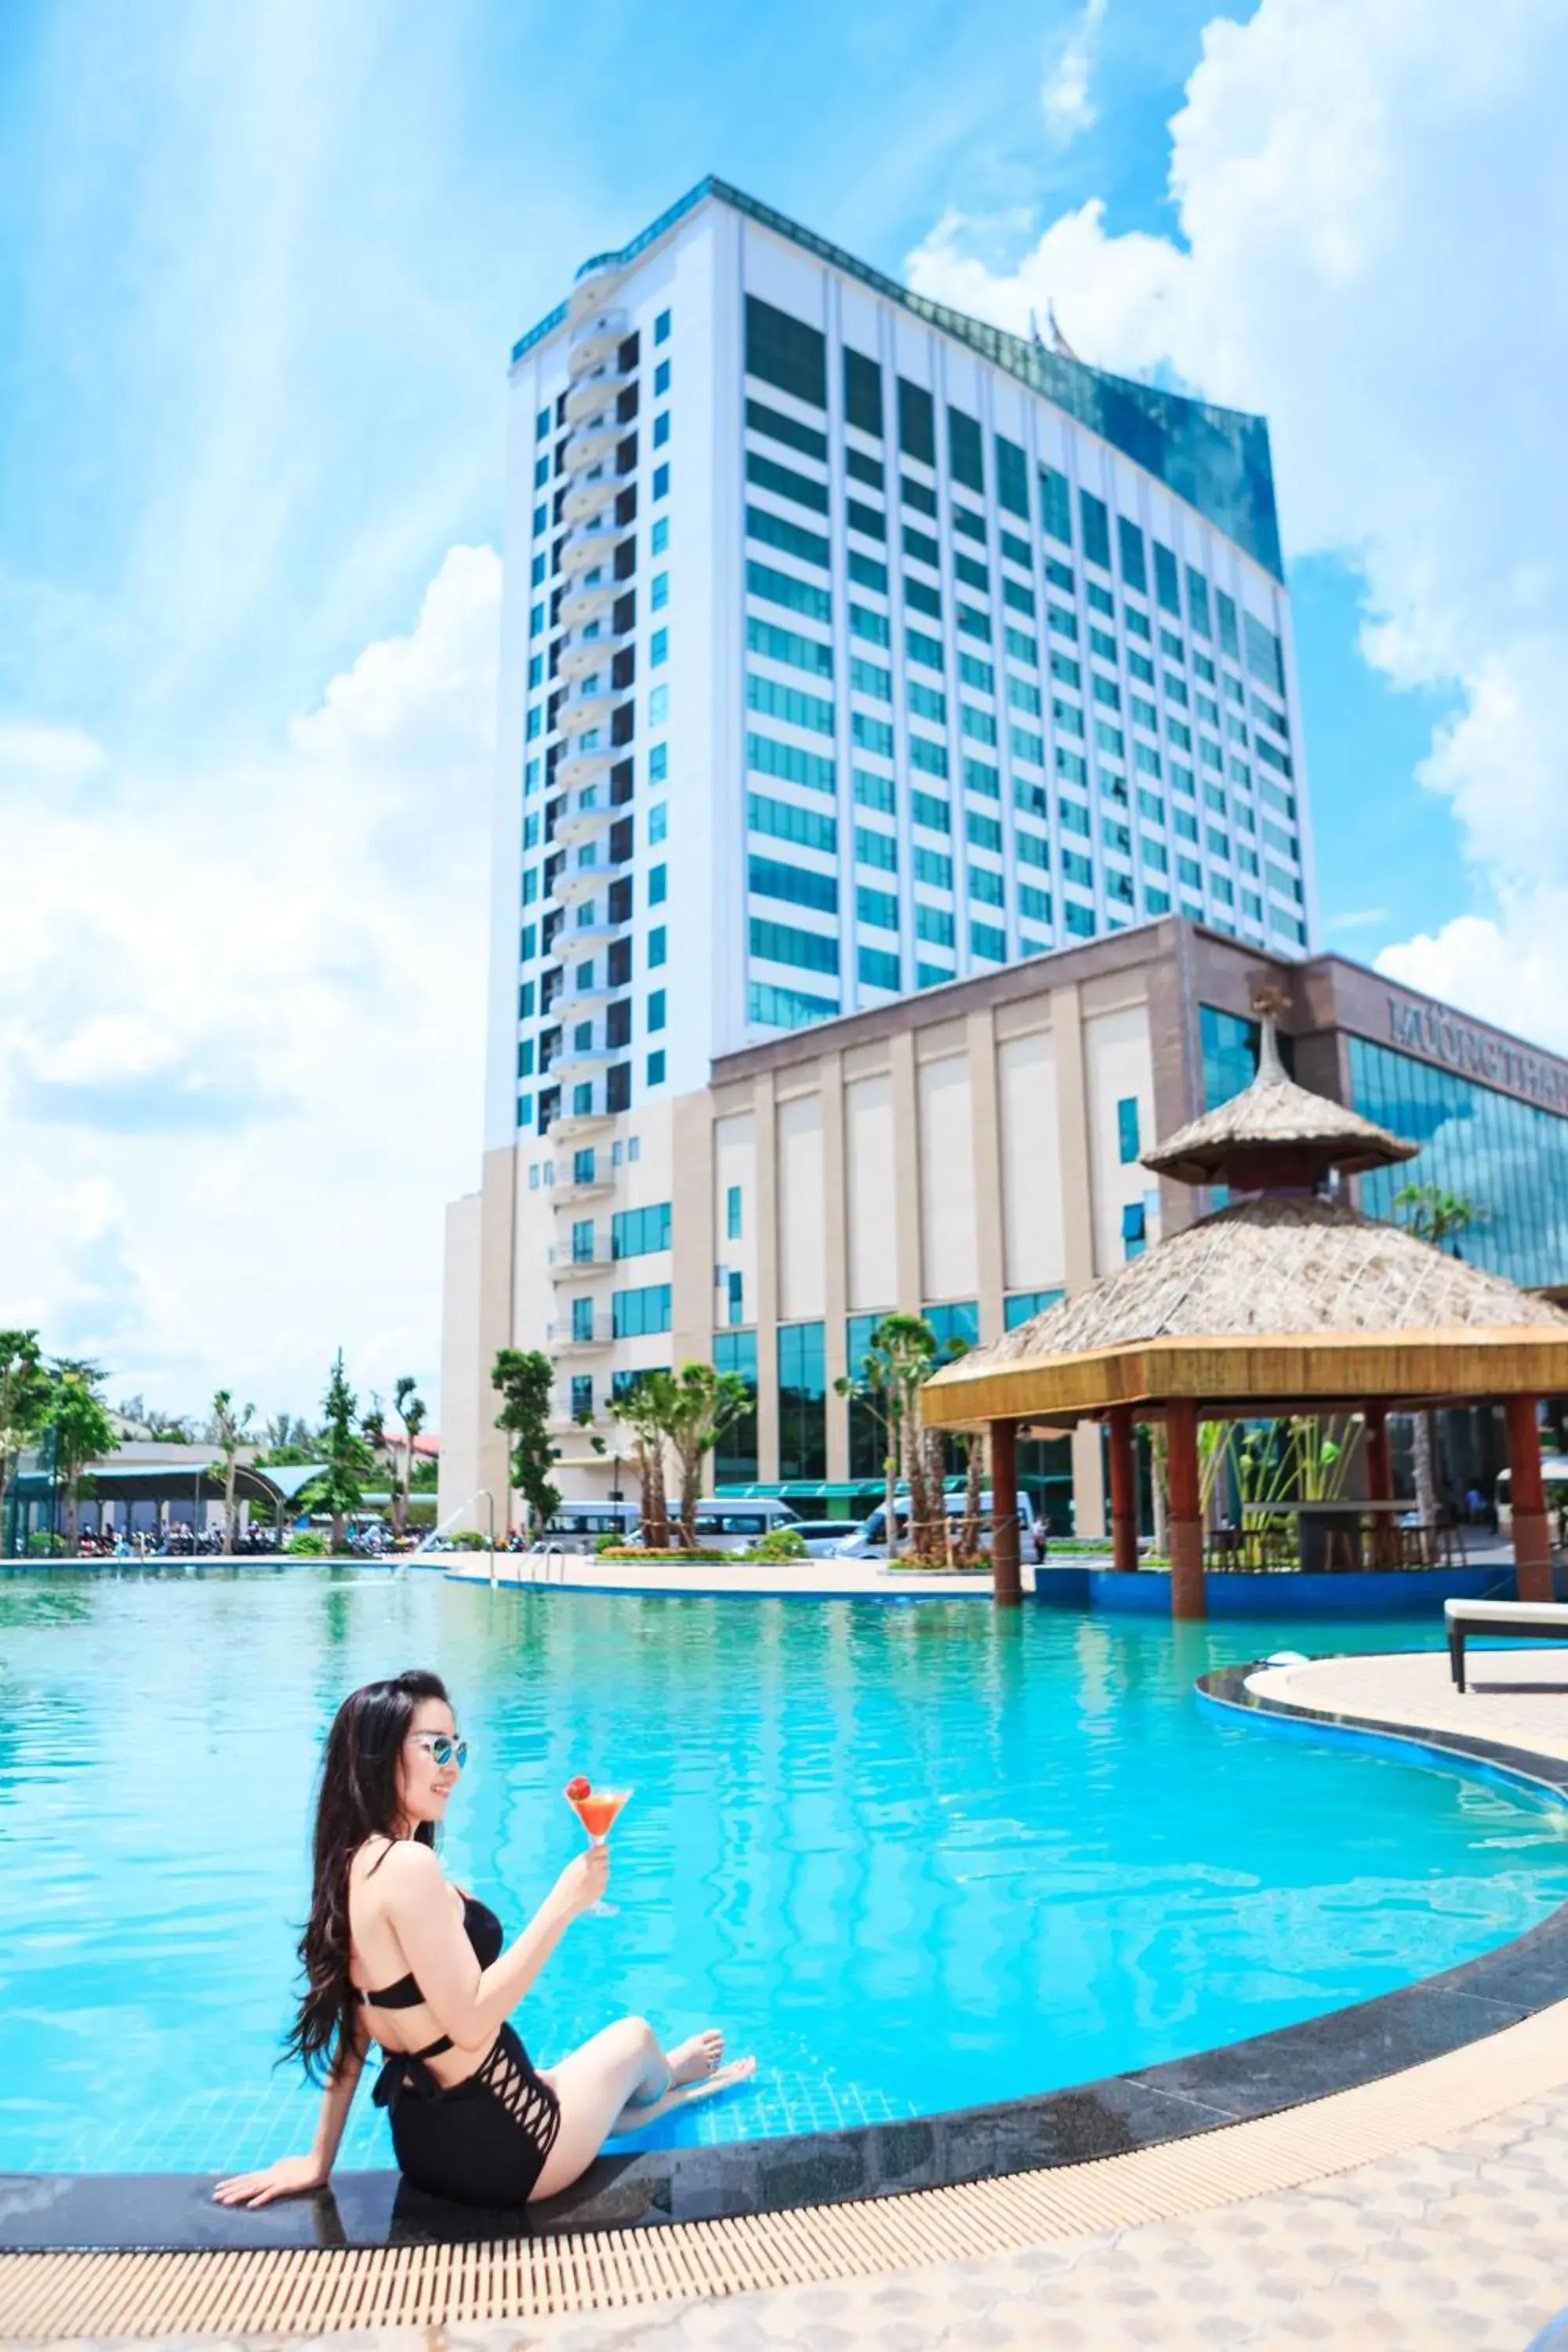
(851,648)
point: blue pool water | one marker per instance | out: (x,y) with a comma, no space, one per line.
(913,1856)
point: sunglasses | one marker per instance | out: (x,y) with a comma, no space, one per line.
(441,1750)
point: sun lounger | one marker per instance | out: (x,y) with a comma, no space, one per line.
(1535,1621)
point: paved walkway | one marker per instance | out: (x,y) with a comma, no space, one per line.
(1517,1696)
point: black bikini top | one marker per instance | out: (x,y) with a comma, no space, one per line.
(484,1932)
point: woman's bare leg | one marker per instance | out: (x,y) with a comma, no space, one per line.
(620,2081)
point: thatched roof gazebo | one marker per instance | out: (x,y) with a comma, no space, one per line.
(1286,1300)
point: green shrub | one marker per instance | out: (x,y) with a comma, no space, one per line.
(779,1543)
(470,1539)
(308,1541)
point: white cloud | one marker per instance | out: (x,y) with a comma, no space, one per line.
(241,1031)
(1374,203)
(53,760)
(1065,94)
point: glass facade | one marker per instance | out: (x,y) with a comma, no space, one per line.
(1215,458)
(1508,1158)
(1230,1049)
(735,1455)
(802,1401)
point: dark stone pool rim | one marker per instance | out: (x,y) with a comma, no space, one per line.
(1174,2100)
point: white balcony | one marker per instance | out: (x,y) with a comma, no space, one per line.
(571,1338)
(595,341)
(594,443)
(589,498)
(576,768)
(594,284)
(589,702)
(592,392)
(578,883)
(573,1127)
(588,600)
(580,825)
(592,545)
(589,652)
(573,1063)
(567,1264)
(571,944)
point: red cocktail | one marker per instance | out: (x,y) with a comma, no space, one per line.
(596,1809)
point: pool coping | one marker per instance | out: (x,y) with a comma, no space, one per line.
(1179,2099)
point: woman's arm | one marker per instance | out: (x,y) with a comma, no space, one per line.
(292,2175)
(470,2003)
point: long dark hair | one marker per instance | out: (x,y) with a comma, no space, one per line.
(357,1799)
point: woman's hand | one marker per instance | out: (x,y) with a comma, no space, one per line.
(291,2176)
(583,1881)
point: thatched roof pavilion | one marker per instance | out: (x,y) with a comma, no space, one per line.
(1287,1299)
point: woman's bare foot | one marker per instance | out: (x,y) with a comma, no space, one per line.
(694,2061)
(687,2094)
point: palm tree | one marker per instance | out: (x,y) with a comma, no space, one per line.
(411,1409)
(230,1430)
(647,1410)
(704,1404)
(908,1345)
(874,1387)
(1436,1215)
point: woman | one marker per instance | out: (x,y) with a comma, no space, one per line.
(395,1953)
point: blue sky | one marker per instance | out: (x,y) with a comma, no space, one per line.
(264,266)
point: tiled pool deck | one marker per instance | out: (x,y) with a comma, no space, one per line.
(1423,2208)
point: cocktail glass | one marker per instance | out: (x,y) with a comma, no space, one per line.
(598,1812)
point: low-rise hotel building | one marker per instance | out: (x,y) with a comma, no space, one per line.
(970,1151)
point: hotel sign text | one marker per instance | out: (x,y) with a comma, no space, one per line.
(1440,1036)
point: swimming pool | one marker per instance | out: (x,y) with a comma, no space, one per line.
(914,1856)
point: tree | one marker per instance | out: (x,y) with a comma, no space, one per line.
(24,1391)
(410,1408)
(908,1345)
(345,1454)
(874,1387)
(83,1432)
(230,1430)
(1432,1214)
(646,1410)
(524,1379)
(703,1406)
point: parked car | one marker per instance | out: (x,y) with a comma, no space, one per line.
(869,1540)
(822,1537)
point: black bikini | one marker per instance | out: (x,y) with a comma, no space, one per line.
(483,2140)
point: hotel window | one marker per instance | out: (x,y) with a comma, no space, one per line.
(1128,1140)
(582,1318)
(802,1400)
(1134,1229)
(637,1314)
(735,1455)
(582,1396)
(732,1214)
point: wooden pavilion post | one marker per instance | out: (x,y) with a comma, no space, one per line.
(1378,1483)
(1188,1597)
(1007,1573)
(1123,1490)
(1531,1536)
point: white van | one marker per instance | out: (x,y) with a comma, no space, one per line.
(869,1540)
(1553,1477)
(725,1525)
(578,1527)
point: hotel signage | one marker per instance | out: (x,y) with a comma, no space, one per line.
(1440,1036)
